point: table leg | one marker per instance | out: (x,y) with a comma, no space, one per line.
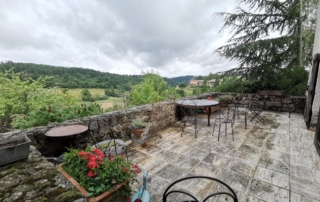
(209,114)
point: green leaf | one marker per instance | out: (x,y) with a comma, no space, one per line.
(91,189)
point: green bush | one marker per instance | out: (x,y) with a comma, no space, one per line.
(231,84)
(99,97)
(294,81)
(20,95)
(55,113)
(86,95)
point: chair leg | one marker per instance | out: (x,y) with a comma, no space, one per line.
(219,131)
(225,126)
(245,120)
(196,130)
(232,130)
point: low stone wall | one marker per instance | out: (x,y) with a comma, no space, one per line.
(277,105)
(159,115)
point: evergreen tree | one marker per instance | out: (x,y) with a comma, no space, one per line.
(267,36)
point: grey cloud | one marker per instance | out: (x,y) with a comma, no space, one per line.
(127,36)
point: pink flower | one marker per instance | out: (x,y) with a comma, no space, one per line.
(85,155)
(135,165)
(137,171)
(98,158)
(111,157)
(97,151)
(124,169)
(91,173)
(92,164)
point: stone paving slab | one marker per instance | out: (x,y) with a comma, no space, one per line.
(271,162)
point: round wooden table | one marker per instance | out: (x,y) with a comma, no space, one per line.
(63,131)
(198,104)
(66,131)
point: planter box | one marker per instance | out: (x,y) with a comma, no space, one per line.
(18,151)
(104,197)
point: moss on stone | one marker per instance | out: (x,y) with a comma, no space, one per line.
(56,192)
(32,179)
(67,196)
(41,199)
(8,172)
(41,184)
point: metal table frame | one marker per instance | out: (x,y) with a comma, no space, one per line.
(199,104)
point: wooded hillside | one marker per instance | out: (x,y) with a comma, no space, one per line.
(75,77)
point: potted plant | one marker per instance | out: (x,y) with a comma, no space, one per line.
(96,177)
(14,149)
(224,100)
(137,127)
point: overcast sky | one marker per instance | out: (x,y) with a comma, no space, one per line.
(173,37)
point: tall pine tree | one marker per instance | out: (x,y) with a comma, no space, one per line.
(267,36)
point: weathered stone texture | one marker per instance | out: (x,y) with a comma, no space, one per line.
(34,179)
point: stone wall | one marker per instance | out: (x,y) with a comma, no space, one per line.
(159,116)
(277,104)
(34,179)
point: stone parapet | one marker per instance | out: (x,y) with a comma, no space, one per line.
(159,115)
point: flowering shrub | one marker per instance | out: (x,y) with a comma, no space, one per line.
(98,174)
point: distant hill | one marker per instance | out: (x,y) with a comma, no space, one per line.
(180,79)
(75,77)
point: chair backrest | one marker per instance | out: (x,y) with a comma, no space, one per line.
(189,110)
(226,111)
(231,193)
(111,145)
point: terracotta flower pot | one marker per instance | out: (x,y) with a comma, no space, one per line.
(104,197)
(137,132)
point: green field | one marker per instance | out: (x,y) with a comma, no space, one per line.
(95,91)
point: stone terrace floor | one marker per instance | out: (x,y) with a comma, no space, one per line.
(272,162)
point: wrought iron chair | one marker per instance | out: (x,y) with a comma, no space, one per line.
(111,146)
(236,101)
(226,114)
(168,192)
(189,112)
(255,108)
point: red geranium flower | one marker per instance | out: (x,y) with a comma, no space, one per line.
(97,151)
(91,173)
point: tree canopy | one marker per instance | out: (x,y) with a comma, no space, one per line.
(268,35)
(20,95)
(74,77)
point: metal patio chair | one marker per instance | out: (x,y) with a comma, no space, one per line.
(236,102)
(226,114)
(111,146)
(255,108)
(188,114)
(168,192)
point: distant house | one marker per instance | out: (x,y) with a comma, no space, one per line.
(211,82)
(194,82)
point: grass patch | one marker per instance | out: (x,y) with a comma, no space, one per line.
(93,91)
